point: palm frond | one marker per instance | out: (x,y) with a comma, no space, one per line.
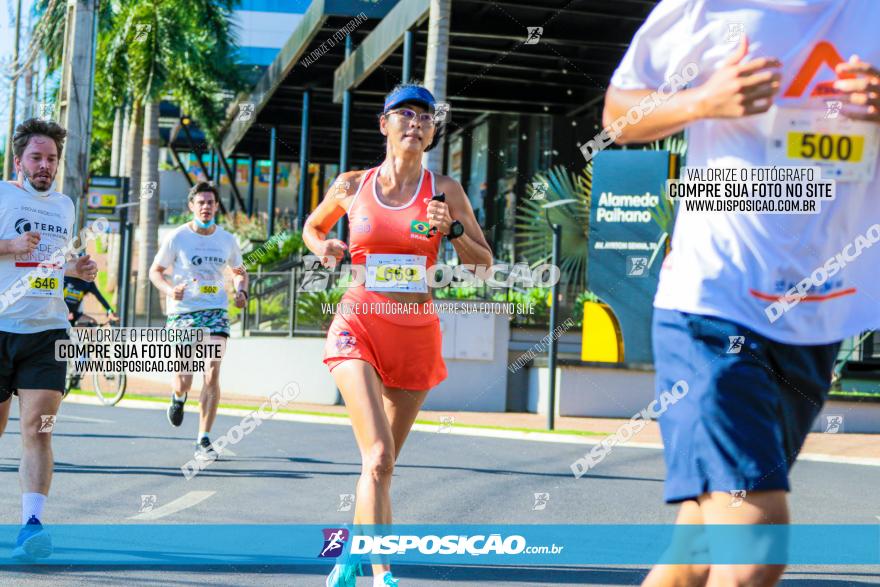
(185,49)
(534,241)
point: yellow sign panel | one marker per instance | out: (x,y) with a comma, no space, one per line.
(102,200)
(601,339)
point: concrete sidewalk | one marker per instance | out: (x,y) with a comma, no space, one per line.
(817,444)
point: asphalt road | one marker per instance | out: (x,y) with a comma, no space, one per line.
(294,473)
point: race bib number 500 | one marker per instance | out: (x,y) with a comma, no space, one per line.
(844,149)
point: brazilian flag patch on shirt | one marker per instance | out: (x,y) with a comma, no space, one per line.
(419,227)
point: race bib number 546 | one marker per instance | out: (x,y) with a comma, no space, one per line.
(43,287)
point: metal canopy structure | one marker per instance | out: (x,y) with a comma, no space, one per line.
(277,98)
(498,62)
(495,65)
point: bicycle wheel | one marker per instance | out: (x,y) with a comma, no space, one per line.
(109,387)
(71,379)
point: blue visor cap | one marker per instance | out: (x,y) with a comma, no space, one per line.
(410,94)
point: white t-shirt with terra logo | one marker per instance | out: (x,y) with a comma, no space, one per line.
(198,260)
(734,266)
(31,285)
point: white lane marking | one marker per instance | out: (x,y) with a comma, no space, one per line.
(841,459)
(63,417)
(482,432)
(181,503)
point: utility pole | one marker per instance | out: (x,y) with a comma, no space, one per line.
(77,92)
(8,166)
(29,79)
(436,66)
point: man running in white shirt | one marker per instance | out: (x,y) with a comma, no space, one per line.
(36,224)
(769,74)
(196,255)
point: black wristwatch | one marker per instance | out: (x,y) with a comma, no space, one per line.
(456,229)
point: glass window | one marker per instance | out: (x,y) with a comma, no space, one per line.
(456,152)
(508,174)
(477,180)
(541,146)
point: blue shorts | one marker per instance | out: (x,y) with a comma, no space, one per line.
(749,405)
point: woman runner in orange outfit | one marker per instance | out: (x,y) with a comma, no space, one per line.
(385,362)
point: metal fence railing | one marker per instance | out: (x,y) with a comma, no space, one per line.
(272,306)
(149,312)
(278,306)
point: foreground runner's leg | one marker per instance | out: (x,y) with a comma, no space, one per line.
(5,406)
(361,391)
(402,407)
(682,575)
(381,419)
(759,507)
(35,469)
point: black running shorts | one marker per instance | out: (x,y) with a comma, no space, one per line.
(27,361)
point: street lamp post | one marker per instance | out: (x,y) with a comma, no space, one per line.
(126,232)
(556,230)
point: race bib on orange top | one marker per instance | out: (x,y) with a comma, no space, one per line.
(400,273)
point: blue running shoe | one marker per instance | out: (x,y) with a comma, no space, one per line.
(33,541)
(388,580)
(344,575)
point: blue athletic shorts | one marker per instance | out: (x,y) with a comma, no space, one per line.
(749,405)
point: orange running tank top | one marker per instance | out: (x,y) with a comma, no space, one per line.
(375,228)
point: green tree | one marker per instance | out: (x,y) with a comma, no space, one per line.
(180,50)
(48,37)
(49,26)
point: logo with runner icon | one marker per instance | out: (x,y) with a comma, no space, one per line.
(736,344)
(315,277)
(636,266)
(346,501)
(737,496)
(833,108)
(148,502)
(47,423)
(541,500)
(334,541)
(834,424)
